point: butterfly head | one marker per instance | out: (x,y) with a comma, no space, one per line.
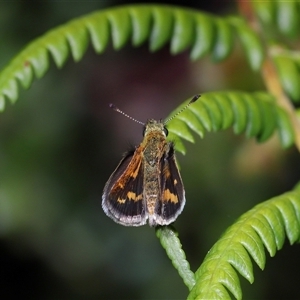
(153,126)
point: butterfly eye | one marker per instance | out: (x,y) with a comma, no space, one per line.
(166,131)
(144,130)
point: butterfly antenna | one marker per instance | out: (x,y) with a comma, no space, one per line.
(115,108)
(194,99)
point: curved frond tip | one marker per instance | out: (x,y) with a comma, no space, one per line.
(159,24)
(255,114)
(171,243)
(266,225)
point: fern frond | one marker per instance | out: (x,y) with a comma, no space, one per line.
(282,15)
(279,22)
(256,114)
(288,71)
(171,243)
(266,224)
(250,42)
(182,28)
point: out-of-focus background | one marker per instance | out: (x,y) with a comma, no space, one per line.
(60,142)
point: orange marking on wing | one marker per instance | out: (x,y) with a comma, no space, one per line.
(134,197)
(168,196)
(131,171)
(166,171)
(131,196)
(136,170)
(122,201)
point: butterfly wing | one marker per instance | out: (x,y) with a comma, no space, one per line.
(172,198)
(122,198)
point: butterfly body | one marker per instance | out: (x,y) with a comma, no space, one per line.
(146,185)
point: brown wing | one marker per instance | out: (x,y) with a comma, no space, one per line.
(122,198)
(172,198)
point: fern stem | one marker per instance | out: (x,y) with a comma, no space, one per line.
(274,86)
(169,240)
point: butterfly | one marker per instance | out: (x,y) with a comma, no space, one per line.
(146,185)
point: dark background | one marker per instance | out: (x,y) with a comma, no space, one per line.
(60,142)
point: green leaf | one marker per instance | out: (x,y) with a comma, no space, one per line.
(214,112)
(250,42)
(78,40)
(169,240)
(192,122)
(285,128)
(99,30)
(161,28)
(120,23)
(180,128)
(291,222)
(223,40)
(240,112)
(225,107)
(266,10)
(25,75)
(204,31)
(289,76)
(160,24)
(264,225)
(40,62)
(256,114)
(254,127)
(199,109)
(141,24)
(55,42)
(281,16)
(183,32)
(268,117)
(288,17)
(179,146)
